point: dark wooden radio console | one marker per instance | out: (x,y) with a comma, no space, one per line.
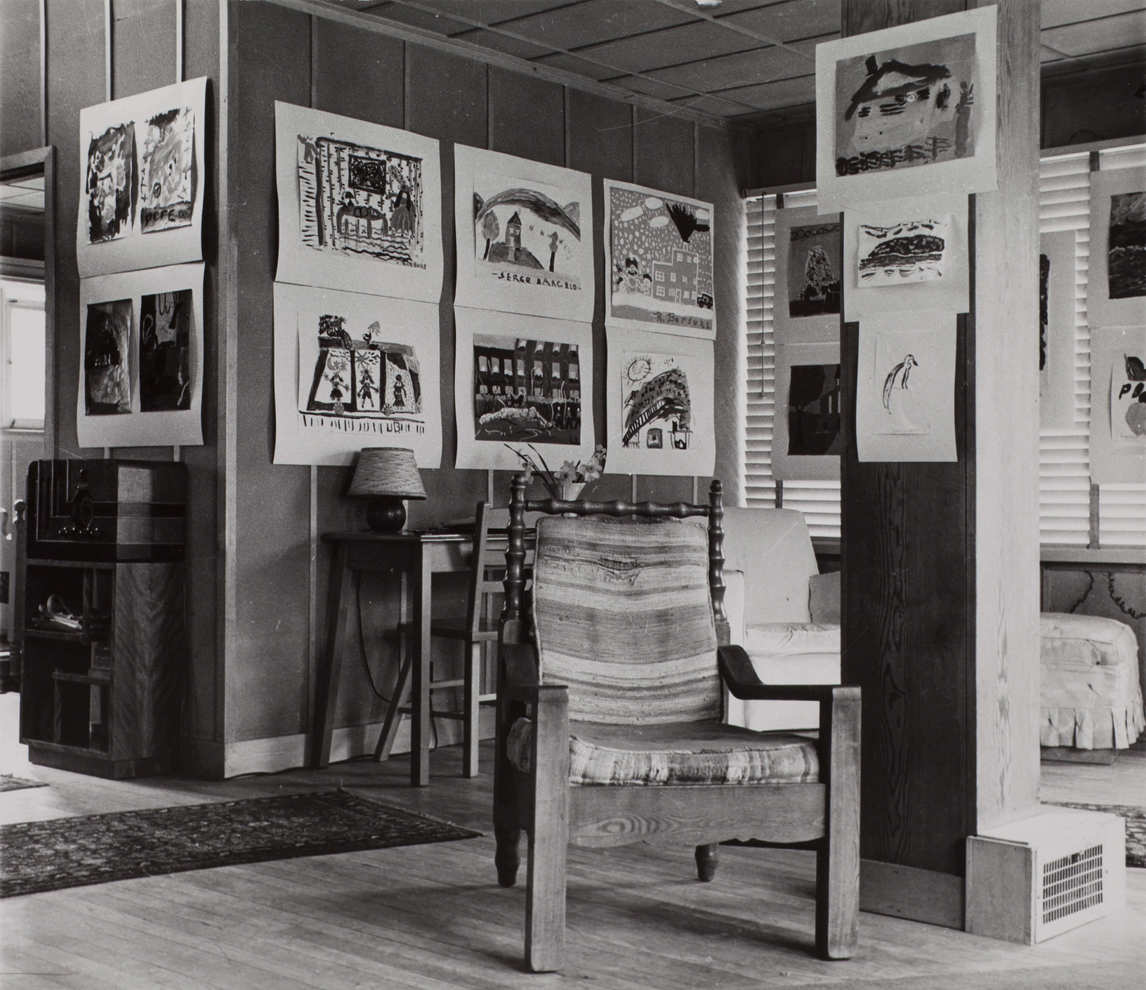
(100,632)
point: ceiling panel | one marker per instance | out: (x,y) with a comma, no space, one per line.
(791,20)
(672,46)
(744,68)
(1103,35)
(717,60)
(596,21)
(1057,12)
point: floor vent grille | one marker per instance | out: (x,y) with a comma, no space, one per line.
(1072,884)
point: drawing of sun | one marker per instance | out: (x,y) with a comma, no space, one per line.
(638,370)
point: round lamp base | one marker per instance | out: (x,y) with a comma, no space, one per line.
(386,515)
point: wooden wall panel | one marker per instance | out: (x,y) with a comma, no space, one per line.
(716,182)
(266,675)
(75,80)
(526,116)
(457,114)
(201,58)
(142,46)
(601,142)
(357,74)
(20,77)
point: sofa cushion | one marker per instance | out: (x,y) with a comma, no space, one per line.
(824,597)
(792,639)
(692,753)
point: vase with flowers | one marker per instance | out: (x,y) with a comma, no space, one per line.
(569,480)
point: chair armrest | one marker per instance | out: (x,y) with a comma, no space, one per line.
(517,677)
(742,681)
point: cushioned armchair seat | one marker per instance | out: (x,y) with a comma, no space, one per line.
(673,753)
(1091,691)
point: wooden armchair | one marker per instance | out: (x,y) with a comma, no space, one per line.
(609,724)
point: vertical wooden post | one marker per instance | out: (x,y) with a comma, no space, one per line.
(940,561)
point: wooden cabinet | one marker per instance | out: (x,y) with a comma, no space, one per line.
(101,645)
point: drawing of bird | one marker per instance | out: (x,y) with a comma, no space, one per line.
(1135,369)
(897,377)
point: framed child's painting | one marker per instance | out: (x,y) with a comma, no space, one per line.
(806,437)
(809,272)
(906,111)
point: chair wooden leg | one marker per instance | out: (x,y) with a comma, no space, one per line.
(507,857)
(470,724)
(398,701)
(838,857)
(707,859)
(548,834)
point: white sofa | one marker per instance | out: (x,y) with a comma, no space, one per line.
(783,612)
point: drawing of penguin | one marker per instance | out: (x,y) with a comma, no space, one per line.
(897,378)
(903,405)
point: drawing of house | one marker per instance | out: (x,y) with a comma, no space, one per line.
(512,236)
(675,280)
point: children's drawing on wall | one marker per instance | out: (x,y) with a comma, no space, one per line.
(907,110)
(1128,397)
(814,410)
(1044,315)
(524,235)
(167,177)
(905,404)
(657,407)
(660,260)
(164,351)
(660,403)
(900,253)
(1126,247)
(140,181)
(902,406)
(905,107)
(352,378)
(359,205)
(362,200)
(107,357)
(815,253)
(526,391)
(111,187)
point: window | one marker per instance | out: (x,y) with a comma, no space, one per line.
(22,354)
(1064,461)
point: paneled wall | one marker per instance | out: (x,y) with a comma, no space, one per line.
(81,62)
(274,606)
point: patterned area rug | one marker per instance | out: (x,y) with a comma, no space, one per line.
(10,783)
(1135,827)
(72,852)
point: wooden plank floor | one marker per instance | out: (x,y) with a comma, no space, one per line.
(433,916)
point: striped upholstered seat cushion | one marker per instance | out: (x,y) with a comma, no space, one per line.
(667,753)
(623,616)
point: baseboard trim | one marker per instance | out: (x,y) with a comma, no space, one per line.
(908,892)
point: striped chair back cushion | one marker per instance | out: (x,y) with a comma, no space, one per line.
(623,615)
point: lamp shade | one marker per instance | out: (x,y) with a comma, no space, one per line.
(387,471)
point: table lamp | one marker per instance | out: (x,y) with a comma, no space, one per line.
(386,476)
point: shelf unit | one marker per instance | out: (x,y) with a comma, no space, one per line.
(101,642)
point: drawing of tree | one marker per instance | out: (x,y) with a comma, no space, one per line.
(490,229)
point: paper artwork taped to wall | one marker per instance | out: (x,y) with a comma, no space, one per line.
(526,391)
(1118,405)
(522,380)
(1056,330)
(141,178)
(814,410)
(141,376)
(1116,283)
(359,205)
(107,358)
(909,99)
(907,254)
(659,259)
(905,404)
(111,184)
(167,176)
(165,350)
(524,235)
(660,403)
(899,253)
(809,268)
(806,437)
(353,371)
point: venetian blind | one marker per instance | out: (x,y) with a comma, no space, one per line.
(1064,461)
